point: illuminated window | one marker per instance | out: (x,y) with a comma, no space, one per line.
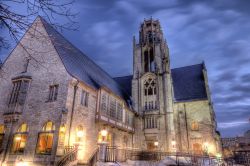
(20,139)
(45,139)
(1,135)
(195,126)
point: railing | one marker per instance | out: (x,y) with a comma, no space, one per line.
(113,154)
(93,158)
(70,156)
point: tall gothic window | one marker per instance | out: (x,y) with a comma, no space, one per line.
(149,64)
(119,111)
(2,130)
(45,139)
(84,98)
(20,139)
(53,91)
(104,104)
(150,94)
(19,92)
(112,108)
(150,122)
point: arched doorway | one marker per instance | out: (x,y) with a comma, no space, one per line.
(197,149)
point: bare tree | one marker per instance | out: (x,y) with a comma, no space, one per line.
(16,23)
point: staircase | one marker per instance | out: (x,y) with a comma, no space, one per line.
(69,158)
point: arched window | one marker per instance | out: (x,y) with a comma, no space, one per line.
(45,139)
(20,139)
(150,87)
(150,94)
(195,126)
(2,130)
(149,63)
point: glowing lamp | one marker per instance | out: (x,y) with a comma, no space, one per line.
(80,134)
(22,163)
(206,144)
(62,129)
(156,143)
(18,138)
(173,143)
(104,133)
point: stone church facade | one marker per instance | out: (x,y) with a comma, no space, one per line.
(53,97)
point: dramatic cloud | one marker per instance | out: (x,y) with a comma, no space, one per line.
(216,32)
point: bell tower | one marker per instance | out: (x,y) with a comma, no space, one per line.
(152,89)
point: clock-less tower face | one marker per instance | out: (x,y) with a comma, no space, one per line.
(150,62)
(151,85)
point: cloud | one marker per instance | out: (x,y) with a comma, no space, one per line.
(214,31)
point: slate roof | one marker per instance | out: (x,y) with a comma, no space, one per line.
(126,83)
(188,83)
(80,65)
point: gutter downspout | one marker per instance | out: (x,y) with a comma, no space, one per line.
(72,111)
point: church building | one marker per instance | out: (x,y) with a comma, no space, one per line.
(55,100)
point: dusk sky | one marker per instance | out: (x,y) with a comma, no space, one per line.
(217,32)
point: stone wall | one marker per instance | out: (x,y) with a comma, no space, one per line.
(46,69)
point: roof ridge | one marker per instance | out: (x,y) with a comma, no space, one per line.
(44,21)
(123,76)
(187,66)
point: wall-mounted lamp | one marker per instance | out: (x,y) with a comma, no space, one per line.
(21,163)
(104,132)
(156,143)
(80,134)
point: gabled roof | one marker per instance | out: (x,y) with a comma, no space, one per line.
(80,65)
(126,83)
(188,83)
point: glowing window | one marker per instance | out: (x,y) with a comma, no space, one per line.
(20,139)
(195,125)
(1,135)
(45,139)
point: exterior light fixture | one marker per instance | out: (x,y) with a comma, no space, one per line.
(156,143)
(62,129)
(173,143)
(21,163)
(80,134)
(18,138)
(104,133)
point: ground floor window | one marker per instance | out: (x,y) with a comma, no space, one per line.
(20,139)
(45,139)
(1,135)
(45,142)
(19,143)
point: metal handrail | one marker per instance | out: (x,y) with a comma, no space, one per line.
(70,156)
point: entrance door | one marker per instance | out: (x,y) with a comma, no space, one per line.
(197,148)
(151,146)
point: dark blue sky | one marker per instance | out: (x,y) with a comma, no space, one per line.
(217,32)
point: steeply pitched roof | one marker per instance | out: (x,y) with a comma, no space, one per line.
(125,82)
(188,83)
(80,65)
